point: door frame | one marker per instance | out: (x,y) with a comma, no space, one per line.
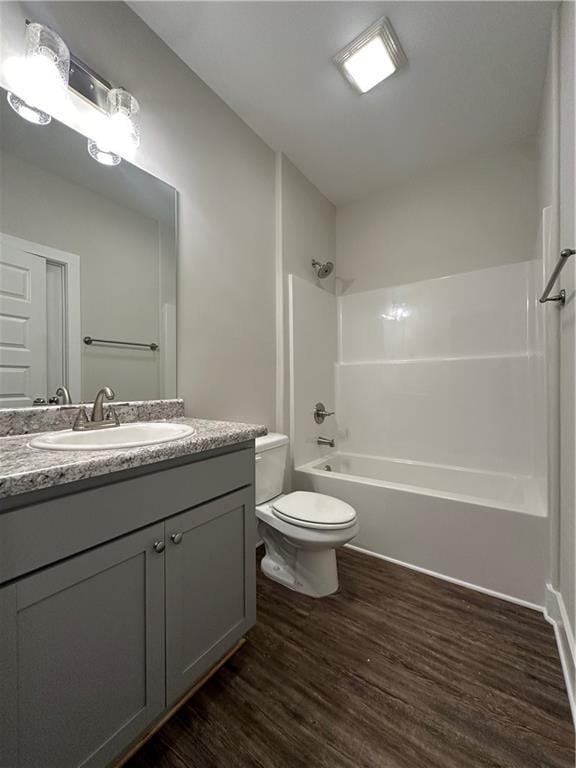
(70,264)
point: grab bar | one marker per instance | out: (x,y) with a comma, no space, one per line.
(89,340)
(561,297)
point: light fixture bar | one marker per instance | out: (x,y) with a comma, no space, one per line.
(372,56)
(41,80)
(88,84)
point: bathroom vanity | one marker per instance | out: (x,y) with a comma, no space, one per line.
(125,576)
(126,573)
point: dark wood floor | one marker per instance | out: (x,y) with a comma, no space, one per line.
(398,670)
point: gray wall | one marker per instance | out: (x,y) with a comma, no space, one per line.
(306,231)
(548,205)
(308,226)
(225,176)
(456,218)
(556,190)
(568,319)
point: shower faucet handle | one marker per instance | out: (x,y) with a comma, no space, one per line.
(320,413)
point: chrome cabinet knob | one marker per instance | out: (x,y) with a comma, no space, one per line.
(176,538)
(159,546)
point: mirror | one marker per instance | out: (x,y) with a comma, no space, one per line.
(87,252)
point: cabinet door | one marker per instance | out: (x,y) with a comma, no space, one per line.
(210,586)
(82,643)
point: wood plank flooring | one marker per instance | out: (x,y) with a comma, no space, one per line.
(398,670)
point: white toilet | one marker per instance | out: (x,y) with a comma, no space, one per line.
(300,530)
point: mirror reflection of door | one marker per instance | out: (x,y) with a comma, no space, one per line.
(39,322)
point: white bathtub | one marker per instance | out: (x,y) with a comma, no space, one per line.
(484,529)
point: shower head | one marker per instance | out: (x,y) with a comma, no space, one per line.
(322,270)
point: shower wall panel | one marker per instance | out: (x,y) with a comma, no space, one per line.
(313,350)
(443,371)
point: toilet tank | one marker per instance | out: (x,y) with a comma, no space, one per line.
(271,456)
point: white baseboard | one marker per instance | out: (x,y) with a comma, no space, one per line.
(555,613)
(468,585)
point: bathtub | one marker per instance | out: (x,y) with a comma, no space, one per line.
(485,530)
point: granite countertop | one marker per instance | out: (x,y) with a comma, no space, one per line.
(24,469)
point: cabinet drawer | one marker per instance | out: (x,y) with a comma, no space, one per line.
(39,534)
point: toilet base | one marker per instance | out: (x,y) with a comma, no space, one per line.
(311,572)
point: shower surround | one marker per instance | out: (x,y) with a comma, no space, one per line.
(439,392)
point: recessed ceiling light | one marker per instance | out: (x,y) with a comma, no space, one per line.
(371,57)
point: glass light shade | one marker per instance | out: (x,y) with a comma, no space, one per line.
(124,119)
(101,155)
(117,134)
(29,113)
(38,81)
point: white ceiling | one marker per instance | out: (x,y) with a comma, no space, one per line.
(474,79)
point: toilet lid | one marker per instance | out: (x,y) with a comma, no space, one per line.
(314,510)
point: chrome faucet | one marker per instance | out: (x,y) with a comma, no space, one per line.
(326,441)
(97,420)
(98,409)
(63,395)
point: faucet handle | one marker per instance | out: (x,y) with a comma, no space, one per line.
(320,413)
(81,419)
(111,413)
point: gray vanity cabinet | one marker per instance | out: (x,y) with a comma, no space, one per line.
(87,637)
(98,642)
(209,586)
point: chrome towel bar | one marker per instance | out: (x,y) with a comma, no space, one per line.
(561,297)
(90,340)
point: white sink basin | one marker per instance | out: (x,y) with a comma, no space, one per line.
(124,436)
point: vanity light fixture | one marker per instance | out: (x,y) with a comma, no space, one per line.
(117,135)
(38,85)
(38,81)
(371,57)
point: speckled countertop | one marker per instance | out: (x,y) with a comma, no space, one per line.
(24,469)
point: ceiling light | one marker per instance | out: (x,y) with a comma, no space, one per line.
(371,57)
(38,81)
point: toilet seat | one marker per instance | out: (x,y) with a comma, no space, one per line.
(314,510)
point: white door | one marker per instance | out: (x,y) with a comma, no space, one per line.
(568,312)
(22,327)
